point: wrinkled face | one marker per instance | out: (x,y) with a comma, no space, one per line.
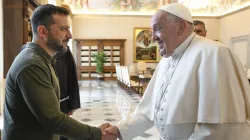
(200,30)
(59,33)
(164,32)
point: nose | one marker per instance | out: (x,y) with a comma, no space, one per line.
(154,38)
(69,34)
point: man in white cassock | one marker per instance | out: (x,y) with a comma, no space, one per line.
(199,90)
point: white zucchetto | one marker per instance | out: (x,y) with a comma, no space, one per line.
(178,10)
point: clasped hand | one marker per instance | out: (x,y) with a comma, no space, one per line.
(109,132)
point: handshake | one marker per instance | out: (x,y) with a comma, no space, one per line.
(109,132)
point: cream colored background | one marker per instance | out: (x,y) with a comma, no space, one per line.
(237,24)
(121,27)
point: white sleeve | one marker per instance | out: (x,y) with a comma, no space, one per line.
(133,125)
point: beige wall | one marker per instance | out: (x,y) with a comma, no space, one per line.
(212,26)
(236,24)
(121,27)
(110,27)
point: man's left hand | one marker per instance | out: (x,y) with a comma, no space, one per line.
(71,112)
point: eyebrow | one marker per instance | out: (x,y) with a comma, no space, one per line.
(152,25)
(63,26)
(197,30)
(66,26)
(155,25)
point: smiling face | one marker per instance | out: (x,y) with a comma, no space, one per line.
(59,33)
(164,32)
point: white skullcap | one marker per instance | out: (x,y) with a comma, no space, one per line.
(178,10)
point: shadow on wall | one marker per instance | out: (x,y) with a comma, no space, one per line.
(2,94)
(1,58)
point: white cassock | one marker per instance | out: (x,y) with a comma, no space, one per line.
(200,93)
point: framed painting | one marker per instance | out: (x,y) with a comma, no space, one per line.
(145,49)
(39,2)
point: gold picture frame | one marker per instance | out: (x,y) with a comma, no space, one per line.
(144,48)
(38,2)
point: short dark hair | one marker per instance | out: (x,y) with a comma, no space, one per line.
(43,16)
(197,22)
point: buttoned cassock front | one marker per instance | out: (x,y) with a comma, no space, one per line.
(207,98)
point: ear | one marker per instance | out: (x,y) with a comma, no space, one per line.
(42,31)
(181,28)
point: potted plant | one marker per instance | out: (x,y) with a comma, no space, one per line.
(100,58)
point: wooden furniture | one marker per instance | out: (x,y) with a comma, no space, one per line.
(125,82)
(86,67)
(16,28)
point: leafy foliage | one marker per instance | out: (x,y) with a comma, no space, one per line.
(99,57)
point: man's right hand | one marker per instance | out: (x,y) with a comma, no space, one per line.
(112,130)
(104,126)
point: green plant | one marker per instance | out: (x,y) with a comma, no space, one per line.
(99,57)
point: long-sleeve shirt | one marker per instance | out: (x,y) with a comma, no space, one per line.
(32,108)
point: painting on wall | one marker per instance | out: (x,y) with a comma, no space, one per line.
(214,7)
(114,6)
(39,2)
(149,7)
(144,47)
